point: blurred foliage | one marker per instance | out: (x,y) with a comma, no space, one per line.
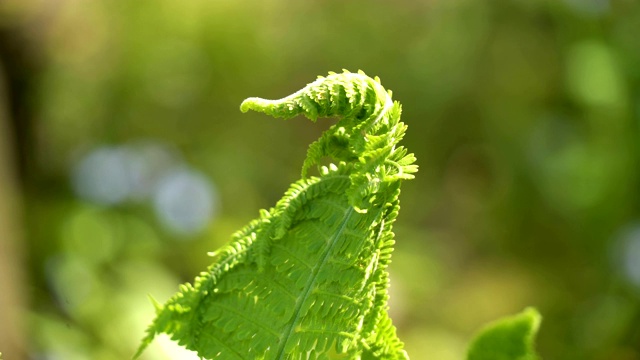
(523,116)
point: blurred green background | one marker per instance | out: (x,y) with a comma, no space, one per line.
(124,159)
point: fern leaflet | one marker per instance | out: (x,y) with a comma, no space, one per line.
(308,279)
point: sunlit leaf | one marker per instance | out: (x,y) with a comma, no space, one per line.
(308,278)
(510,338)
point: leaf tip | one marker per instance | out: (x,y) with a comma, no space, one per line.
(507,338)
(155,303)
(246,105)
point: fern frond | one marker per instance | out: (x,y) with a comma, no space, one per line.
(308,279)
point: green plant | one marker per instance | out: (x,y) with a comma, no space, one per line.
(308,279)
(510,338)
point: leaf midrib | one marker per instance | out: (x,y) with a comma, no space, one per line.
(312,280)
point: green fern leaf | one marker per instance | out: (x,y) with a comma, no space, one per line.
(308,279)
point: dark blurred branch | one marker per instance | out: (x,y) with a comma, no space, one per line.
(20,68)
(12,299)
(16,75)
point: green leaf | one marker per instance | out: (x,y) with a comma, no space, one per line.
(308,278)
(510,338)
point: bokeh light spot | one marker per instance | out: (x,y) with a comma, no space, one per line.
(627,254)
(593,76)
(185,201)
(102,176)
(110,175)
